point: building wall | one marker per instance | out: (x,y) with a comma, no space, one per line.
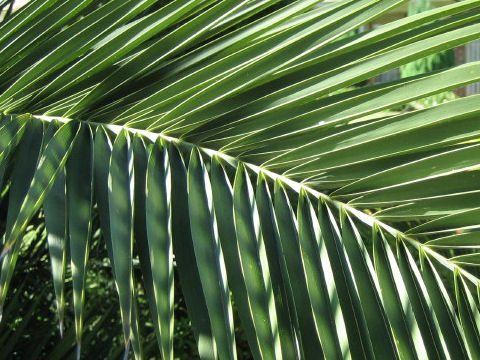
(460,59)
(472,53)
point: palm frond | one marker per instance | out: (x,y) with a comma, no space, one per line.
(223,139)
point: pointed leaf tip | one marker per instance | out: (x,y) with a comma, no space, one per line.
(79,351)
(4,252)
(126,351)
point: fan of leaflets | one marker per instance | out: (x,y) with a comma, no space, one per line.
(211,137)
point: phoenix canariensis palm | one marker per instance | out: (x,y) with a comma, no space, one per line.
(212,137)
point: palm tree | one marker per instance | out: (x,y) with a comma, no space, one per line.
(226,139)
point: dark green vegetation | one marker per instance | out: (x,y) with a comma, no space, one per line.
(210,162)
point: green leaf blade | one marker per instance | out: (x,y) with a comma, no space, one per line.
(158,212)
(209,256)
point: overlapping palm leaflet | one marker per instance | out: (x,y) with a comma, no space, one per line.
(211,137)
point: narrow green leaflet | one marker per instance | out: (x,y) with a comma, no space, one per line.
(311,245)
(223,203)
(120,201)
(358,338)
(431,166)
(50,166)
(253,259)
(55,212)
(244,12)
(140,225)
(467,259)
(79,199)
(368,291)
(464,240)
(464,219)
(456,182)
(421,304)
(102,150)
(286,317)
(187,263)
(122,248)
(431,207)
(395,299)
(27,154)
(137,345)
(444,312)
(209,257)
(294,275)
(467,316)
(159,232)
(56,223)
(11,133)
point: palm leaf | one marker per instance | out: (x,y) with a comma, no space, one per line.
(146,112)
